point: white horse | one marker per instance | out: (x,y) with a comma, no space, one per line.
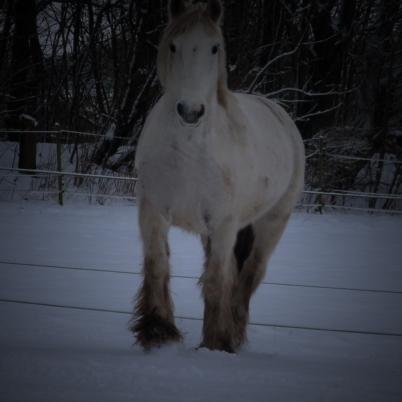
(227,166)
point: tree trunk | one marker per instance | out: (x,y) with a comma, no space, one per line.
(27,69)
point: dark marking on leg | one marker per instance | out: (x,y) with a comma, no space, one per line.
(207,218)
(240,320)
(214,336)
(244,245)
(249,278)
(207,250)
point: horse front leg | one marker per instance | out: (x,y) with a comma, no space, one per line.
(217,284)
(153,321)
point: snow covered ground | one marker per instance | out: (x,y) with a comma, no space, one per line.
(326,323)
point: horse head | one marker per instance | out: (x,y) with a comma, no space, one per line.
(191,60)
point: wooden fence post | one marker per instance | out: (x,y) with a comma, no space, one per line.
(59,153)
(321,169)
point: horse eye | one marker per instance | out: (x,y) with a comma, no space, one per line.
(215,49)
(172,48)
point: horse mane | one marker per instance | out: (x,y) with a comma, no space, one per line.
(183,24)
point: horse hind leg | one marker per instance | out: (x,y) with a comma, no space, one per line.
(254,246)
(153,321)
(244,252)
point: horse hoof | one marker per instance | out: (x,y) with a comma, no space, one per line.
(153,331)
(223,346)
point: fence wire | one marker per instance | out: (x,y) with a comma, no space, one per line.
(72,147)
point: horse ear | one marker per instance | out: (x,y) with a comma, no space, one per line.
(214,10)
(176,8)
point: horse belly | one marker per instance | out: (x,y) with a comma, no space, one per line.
(262,197)
(262,182)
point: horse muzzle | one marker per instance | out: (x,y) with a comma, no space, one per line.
(189,115)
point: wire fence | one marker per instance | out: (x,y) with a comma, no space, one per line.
(54,134)
(199,319)
(74,306)
(336,178)
(65,167)
(66,171)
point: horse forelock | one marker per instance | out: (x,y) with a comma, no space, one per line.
(181,25)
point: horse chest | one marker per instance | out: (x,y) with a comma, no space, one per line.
(185,185)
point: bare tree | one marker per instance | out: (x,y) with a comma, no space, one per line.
(26,77)
(90,66)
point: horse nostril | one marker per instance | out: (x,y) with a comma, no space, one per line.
(180,109)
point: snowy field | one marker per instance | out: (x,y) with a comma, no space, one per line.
(326,323)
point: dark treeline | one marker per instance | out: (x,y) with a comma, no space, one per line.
(336,66)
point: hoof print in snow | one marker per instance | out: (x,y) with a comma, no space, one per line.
(154,331)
